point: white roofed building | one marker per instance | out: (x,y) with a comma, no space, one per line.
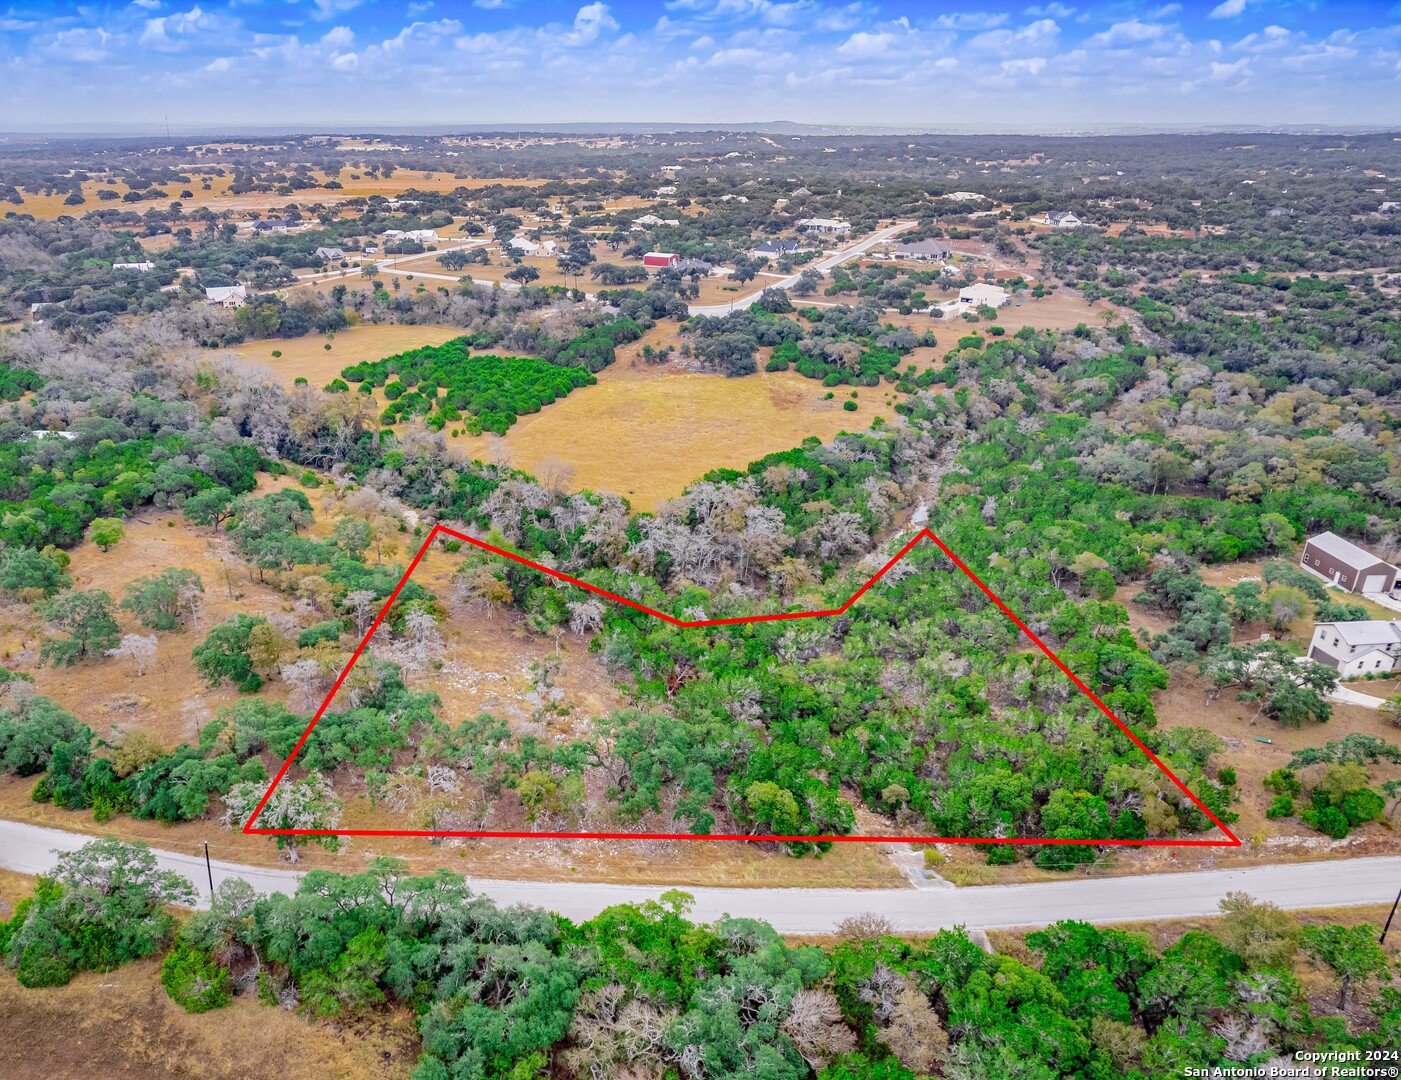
(1345,565)
(226,296)
(1357,648)
(973,296)
(833,226)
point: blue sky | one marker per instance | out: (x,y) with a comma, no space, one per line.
(890,62)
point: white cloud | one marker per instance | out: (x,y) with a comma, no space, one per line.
(743,58)
(174,31)
(338,37)
(219,65)
(148,5)
(82,44)
(971,20)
(1220,72)
(1031,65)
(1131,32)
(840,20)
(863,43)
(329,9)
(344,61)
(1054,11)
(420,31)
(1033,37)
(415,10)
(1230,9)
(591,21)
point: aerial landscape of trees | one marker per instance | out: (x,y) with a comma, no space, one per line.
(1133,480)
(643,989)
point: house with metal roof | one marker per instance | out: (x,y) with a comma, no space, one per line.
(1357,648)
(1343,564)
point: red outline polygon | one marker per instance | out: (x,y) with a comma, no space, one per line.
(442,530)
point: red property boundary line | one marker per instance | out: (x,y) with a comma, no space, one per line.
(442,530)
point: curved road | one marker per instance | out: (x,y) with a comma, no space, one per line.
(31,849)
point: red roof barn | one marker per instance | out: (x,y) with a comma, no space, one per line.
(655,260)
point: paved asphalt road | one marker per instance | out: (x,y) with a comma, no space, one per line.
(32,850)
(821,264)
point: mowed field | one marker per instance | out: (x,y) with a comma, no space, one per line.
(309,358)
(645,432)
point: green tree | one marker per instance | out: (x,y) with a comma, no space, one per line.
(195,980)
(212,507)
(106,532)
(1258,932)
(225,653)
(163,602)
(30,728)
(1352,952)
(85,618)
(352,535)
(1285,605)
(105,905)
(26,573)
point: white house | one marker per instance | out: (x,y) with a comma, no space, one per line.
(523,246)
(330,254)
(965,196)
(418,236)
(646,221)
(662,192)
(1357,648)
(1061,219)
(773,249)
(923,249)
(825,225)
(226,296)
(138,267)
(973,296)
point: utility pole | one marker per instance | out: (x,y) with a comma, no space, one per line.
(209,869)
(1382,939)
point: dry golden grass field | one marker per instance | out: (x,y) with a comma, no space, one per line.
(309,358)
(643,432)
(218,198)
(646,432)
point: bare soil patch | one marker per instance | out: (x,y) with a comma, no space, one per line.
(121,1024)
